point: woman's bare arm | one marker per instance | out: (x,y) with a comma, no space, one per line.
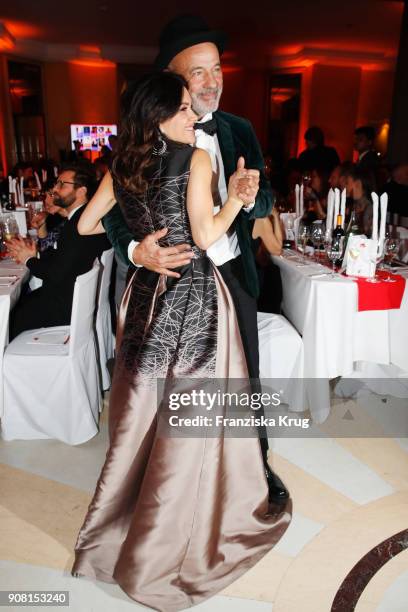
(270,231)
(99,205)
(206,227)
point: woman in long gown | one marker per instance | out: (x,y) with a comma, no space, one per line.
(173,519)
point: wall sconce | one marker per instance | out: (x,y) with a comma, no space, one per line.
(7,41)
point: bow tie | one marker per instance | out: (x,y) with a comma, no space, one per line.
(209,127)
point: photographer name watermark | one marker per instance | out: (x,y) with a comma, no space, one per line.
(249,421)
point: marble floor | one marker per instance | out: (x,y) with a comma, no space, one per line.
(346,548)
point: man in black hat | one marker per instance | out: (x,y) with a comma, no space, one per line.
(188,47)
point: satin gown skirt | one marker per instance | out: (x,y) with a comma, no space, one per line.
(175,520)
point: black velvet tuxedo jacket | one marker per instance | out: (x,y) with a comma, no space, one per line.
(236,137)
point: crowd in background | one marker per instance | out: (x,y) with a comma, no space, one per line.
(318,167)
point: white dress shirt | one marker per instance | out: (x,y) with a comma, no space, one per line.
(226,247)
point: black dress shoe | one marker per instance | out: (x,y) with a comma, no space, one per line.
(278,493)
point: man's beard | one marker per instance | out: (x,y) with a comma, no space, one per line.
(202,107)
(64,202)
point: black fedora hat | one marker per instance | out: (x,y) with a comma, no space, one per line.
(183,32)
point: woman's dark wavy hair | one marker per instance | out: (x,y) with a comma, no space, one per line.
(144,105)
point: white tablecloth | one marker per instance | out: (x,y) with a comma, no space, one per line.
(335,334)
(8,298)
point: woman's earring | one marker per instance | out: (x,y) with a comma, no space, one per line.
(161,146)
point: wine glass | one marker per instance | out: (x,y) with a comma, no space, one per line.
(334,252)
(317,237)
(391,249)
(377,260)
(10,227)
(302,238)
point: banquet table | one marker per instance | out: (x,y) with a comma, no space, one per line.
(337,337)
(9,294)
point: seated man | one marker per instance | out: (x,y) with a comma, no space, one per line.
(58,268)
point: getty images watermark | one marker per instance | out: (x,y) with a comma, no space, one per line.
(232,408)
(286,408)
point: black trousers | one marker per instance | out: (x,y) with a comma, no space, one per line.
(246,309)
(37,309)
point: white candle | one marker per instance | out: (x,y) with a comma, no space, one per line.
(10,184)
(17,192)
(336,205)
(343,207)
(384,205)
(374,198)
(22,201)
(330,210)
(56,171)
(301,203)
(297,189)
(37,180)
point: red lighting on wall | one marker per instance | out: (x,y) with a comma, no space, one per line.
(6,39)
(230,69)
(20,29)
(93,63)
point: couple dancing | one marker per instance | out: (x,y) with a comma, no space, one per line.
(175,520)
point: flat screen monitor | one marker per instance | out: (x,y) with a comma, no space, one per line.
(91,136)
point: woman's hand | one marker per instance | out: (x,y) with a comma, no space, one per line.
(39,219)
(243,184)
(248,183)
(275,214)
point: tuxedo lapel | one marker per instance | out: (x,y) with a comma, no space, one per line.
(227,146)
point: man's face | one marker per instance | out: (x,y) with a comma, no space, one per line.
(334,179)
(65,190)
(349,186)
(361,143)
(400,174)
(200,66)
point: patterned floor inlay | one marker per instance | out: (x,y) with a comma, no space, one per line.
(357,579)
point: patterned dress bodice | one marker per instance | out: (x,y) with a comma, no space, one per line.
(164,204)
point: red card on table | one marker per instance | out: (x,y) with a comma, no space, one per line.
(382,295)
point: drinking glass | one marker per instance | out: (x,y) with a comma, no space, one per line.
(10,227)
(302,238)
(334,252)
(378,259)
(391,250)
(317,238)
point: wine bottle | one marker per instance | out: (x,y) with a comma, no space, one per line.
(353,228)
(338,238)
(10,205)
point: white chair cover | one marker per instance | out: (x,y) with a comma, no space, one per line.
(51,386)
(281,358)
(104,335)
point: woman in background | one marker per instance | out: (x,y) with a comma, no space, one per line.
(268,239)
